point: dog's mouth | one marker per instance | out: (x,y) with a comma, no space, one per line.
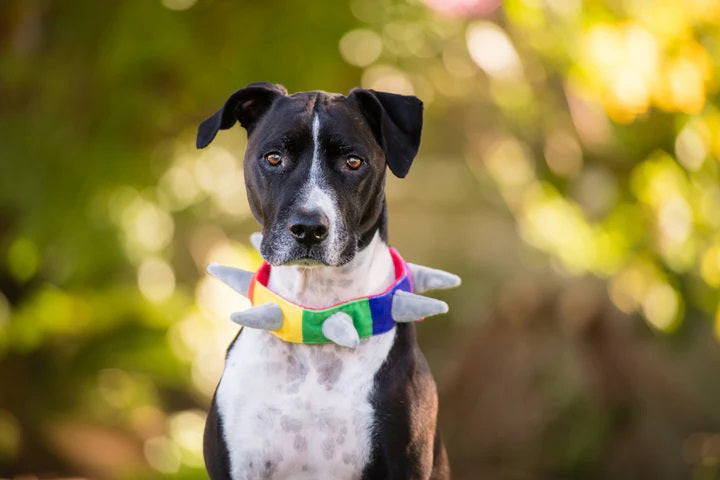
(306,262)
(281,252)
(299,256)
(308,257)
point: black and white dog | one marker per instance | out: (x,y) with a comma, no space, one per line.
(315,177)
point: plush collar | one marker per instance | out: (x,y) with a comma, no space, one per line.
(371,315)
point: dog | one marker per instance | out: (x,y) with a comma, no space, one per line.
(315,170)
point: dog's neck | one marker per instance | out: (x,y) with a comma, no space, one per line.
(369,273)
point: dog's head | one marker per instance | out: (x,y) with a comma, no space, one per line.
(315,165)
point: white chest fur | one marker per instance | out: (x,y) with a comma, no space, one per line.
(298,411)
(294,411)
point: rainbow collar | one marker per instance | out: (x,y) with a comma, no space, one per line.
(371,315)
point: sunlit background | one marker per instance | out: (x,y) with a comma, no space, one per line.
(569,173)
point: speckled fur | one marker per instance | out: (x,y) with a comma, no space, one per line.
(298,411)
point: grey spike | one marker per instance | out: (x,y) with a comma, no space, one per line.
(256,240)
(409,307)
(339,328)
(426,278)
(267,316)
(237,279)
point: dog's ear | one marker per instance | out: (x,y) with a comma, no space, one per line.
(246,105)
(396,121)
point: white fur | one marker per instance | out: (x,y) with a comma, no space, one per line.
(371,271)
(316,195)
(294,411)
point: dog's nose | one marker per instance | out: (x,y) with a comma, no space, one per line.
(309,228)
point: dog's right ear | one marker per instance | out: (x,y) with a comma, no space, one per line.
(246,105)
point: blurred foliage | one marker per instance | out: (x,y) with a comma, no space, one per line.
(570,156)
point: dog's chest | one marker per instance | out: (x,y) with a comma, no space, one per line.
(298,411)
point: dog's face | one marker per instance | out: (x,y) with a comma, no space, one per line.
(315,165)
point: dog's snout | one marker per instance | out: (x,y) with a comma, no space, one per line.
(309,228)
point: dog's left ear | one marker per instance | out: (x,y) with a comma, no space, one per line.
(246,105)
(396,121)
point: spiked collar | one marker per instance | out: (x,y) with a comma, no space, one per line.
(346,322)
(370,315)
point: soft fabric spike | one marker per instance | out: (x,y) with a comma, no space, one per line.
(267,316)
(426,278)
(410,307)
(339,328)
(256,240)
(237,279)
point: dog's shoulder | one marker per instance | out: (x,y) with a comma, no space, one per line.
(217,462)
(215,452)
(405,403)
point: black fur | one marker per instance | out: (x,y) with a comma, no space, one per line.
(396,121)
(215,452)
(403,446)
(217,461)
(246,105)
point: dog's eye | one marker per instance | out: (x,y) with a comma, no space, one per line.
(273,158)
(354,162)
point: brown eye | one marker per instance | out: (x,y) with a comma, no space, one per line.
(354,162)
(273,158)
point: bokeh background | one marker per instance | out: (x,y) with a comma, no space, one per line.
(568,172)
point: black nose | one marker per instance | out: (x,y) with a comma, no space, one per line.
(309,228)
